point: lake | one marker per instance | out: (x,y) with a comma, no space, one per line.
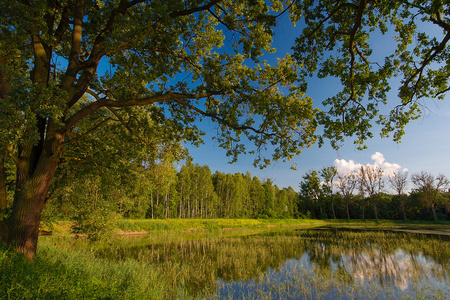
(319,263)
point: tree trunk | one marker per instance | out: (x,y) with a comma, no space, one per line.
(3,192)
(375,207)
(433,209)
(166,205)
(402,201)
(27,207)
(347,204)
(332,207)
(151,204)
(181,199)
(364,209)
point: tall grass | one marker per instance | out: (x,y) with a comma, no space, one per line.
(58,272)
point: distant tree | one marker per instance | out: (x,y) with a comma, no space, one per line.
(347,183)
(398,182)
(270,191)
(372,182)
(257,196)
(430,188)
(311,188)
(329,174)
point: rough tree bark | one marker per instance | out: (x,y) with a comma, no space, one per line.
(3,194)
(34,177)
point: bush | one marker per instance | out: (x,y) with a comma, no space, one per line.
(96,224)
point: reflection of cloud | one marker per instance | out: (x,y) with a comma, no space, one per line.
(345,167)
(400,267)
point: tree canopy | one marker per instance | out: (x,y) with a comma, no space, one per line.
(372,47)
(156,68)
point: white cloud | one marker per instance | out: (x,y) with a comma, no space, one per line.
(378,158)
(345,167)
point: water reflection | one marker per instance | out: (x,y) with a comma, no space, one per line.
(316,263)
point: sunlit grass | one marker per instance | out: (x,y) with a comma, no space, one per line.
(58,272)
(207,224)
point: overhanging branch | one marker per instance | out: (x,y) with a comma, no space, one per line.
(105,102)
(222,120)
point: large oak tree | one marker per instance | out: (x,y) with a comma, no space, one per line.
(155,67)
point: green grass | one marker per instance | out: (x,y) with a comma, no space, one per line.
(63,273)
(206,224)
(212,225)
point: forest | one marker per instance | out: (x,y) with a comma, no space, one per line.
(184,189)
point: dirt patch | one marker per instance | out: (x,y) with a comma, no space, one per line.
(121,232)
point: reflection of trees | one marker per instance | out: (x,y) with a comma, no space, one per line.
(397,268)
(382,256)
(197,264)
(350,256)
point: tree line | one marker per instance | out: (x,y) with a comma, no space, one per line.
(365,194)
(164,190)
(161,190)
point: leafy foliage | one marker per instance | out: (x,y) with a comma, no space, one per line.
(368,46)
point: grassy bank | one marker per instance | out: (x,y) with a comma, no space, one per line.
(212,225)
(209,224)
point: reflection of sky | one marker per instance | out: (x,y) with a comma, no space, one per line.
(380,275)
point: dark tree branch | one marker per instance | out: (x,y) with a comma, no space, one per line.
(104,102)
(430,56)
(323,21)
(221,120)
(352,46)
(76,138)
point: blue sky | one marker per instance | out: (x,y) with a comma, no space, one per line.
(425,145)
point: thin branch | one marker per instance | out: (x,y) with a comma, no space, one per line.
(194,9)
(221,120)
(219,19)
(130,129)
(442,92)
(351,44)
(339,7)
(286,9)
(78,137)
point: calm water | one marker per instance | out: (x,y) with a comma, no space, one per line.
(303,264)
